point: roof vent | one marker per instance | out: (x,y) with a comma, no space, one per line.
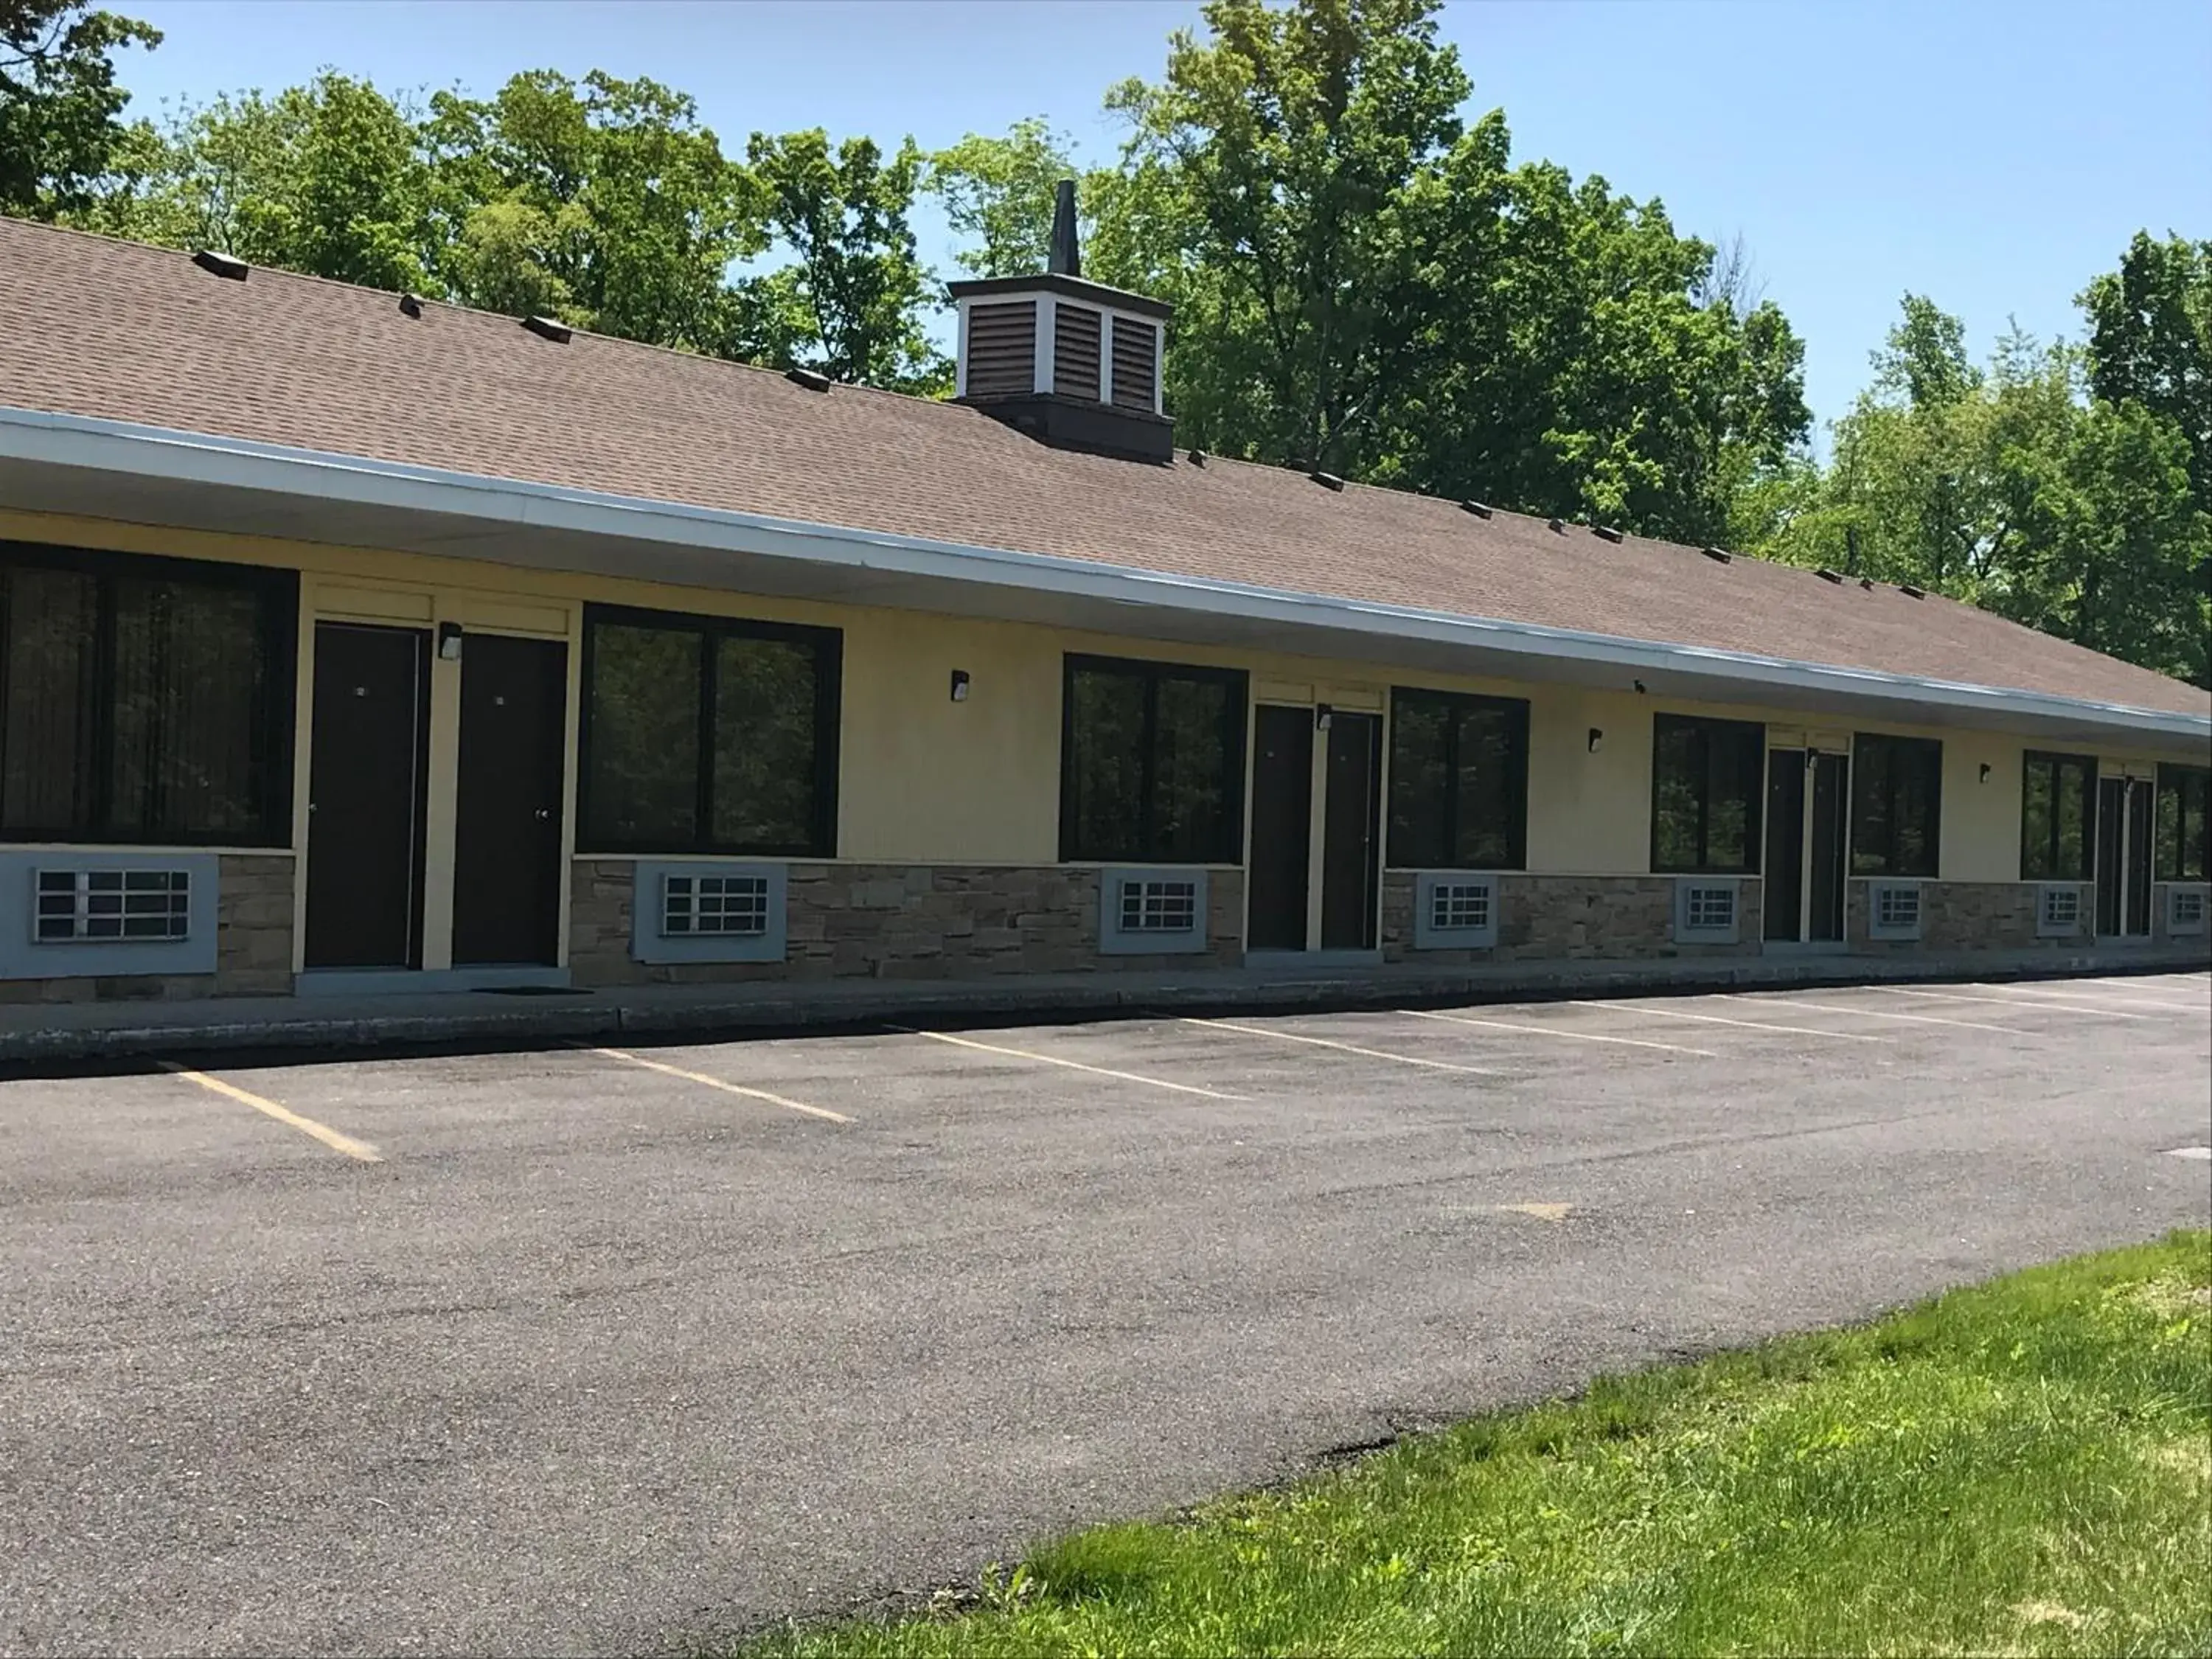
(222,264)
(1072,363)
(1327,480)
(1198,458)
(1911,591)
(1719,555)
(1827,575)
(1559,524)
(1866,584)
(410,306)
(812,379)
(546,328)
(1480,509)
(1606,531)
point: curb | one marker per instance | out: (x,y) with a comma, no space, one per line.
(799,1010)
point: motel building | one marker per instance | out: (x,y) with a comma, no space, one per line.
(352,643)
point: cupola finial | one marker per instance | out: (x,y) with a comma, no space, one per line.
(1067,258)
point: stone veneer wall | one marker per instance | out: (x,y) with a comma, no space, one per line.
(1569,918)
(253,945)
(898,921)
(1966,915)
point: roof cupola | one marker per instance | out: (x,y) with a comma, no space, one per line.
(1070,362)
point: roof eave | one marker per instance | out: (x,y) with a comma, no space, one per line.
(868,560)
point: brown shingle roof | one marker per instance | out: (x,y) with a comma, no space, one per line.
(121,331)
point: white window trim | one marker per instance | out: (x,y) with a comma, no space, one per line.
(1684,933)
(1113,941)
(1896,932)
(1428,936)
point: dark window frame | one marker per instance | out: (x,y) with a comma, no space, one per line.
(2087,764)
(278,588)
(1517,828)
(1931,748)
(1754,831)
(1237,715)
(2172,778)
(828,719)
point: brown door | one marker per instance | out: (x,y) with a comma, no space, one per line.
(366,780)
(1282,827)
(507,832)
(1824,872)
(1351,852)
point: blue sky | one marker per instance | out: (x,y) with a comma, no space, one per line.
(1993,154)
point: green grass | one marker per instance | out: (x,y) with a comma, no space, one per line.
(2024,1467)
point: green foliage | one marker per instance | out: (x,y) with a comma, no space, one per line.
(850,302)
(2150,340)
(324,178)
(58,101)
(1363,285)
(2020,487)
(605,201)
(2022,1468)
(998,194)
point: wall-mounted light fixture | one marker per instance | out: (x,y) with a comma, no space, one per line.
(449,642)
(1638,684)
(959,685)
(1324,716)
(1986,771)
(1597,739)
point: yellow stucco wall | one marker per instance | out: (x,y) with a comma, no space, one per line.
(926,780)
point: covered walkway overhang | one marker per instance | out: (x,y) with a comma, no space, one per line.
(150,476)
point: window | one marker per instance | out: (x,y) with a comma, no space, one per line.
(1706,780)
(703,734)
(2185,823)
(86,906)
(1458,782)
(1159,907)
(714,907)
(145,700)
(1453,906)
(2058,911)
(2057,816)
(1152,763)
(1897,804)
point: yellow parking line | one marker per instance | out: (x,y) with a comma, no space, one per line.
(703,1080)
(1722,1019)
(2009,1002)
(322,1132)
(1072,1064)
(1550,1030)
(1330,1042)
(1871,1013)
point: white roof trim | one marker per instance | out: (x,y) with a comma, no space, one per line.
(81,441)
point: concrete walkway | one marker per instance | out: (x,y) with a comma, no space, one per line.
(60,1031)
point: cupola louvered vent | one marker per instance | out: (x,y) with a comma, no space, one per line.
(1075,351)
(1002,348)
(1136,365)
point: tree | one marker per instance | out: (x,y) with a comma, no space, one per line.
(2014,486)
(324,178)
(1295,138)
(58,101)
(850,304)
(2150,340)
(605,201)
(998,193)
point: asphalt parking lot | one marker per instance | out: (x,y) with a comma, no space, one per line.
(592,1350)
